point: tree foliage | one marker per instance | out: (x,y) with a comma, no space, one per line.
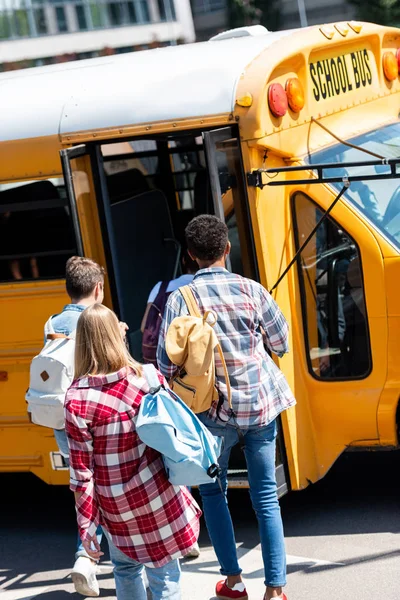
(383,12)
(254,12)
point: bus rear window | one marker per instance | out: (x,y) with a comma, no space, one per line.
(36,233)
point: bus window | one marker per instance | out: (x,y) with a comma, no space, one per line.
(36,233)
(230,201)
(131,165)
(378,200)
(335,321)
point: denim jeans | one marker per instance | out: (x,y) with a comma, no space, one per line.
(62,443)
(260,459)
(163,581)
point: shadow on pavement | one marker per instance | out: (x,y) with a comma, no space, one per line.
(359,495)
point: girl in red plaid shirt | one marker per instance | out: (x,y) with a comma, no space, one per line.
(118,481)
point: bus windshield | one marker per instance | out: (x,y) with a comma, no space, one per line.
(378,200)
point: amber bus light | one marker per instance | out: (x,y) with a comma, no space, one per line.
(295,94)
(398,59)
(390,66)
(277,100)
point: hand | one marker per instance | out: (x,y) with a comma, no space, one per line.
(123,327)
(324,364)
(92,547)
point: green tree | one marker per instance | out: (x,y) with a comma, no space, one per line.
(383,12)
(255,12)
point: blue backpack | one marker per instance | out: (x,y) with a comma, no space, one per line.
(165,423)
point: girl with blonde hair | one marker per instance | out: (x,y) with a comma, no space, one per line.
(118,481)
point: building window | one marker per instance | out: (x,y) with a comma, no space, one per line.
(21,23)
(167,10)
(142,11)
(200,7)
(28,212)
(5,26)
(333,302)
(98,17)
(40,20)
(121,13)
(33,20)
(81,17)
(61,19)
(115,13)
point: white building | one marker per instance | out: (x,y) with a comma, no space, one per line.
(44,31)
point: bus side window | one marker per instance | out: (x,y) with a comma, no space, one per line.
(36,234)
(333,303)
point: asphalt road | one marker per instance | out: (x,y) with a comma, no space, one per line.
(342,538)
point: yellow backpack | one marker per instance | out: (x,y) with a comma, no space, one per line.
(190,344)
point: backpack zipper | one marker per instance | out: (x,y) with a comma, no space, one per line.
(184,385)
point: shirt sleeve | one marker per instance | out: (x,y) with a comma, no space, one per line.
(175,307)
(80,443)
(274,324)
(153,293)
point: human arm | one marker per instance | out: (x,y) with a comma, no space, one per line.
(90,543)
(123,327)
(81,471)
(274,325)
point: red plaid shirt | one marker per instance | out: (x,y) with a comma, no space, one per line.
(122,481)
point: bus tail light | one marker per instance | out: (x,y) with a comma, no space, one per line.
(295,94)
(277,100)
(398,59)
(390,66)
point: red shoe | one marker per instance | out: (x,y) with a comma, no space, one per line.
(225,593)
(283,597)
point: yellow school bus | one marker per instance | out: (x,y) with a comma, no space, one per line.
(292,137)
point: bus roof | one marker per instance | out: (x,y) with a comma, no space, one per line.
(163,84)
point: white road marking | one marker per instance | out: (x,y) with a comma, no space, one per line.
(314,562)
(25,594)
(201,575)
(198,575)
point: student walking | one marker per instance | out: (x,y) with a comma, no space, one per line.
(118,481)
(85,286)
(156,302)
(247,318)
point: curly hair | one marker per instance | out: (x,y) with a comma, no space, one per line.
(206,237)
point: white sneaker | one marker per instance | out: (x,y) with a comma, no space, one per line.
(194,552)
(84,577)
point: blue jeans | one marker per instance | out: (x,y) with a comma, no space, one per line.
(129,584)
(62,443)
(260,459)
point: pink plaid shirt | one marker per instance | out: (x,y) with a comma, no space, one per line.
(122,481)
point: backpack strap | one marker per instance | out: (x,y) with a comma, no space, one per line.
(48,328)
(150,374)
(50,334)
(191,301)
(194,311)
(227,381)
(163,289)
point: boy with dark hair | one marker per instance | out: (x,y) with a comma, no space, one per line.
(248,317)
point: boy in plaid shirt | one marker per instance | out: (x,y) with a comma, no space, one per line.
(248,318)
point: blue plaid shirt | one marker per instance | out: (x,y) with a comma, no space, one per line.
(245,310)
